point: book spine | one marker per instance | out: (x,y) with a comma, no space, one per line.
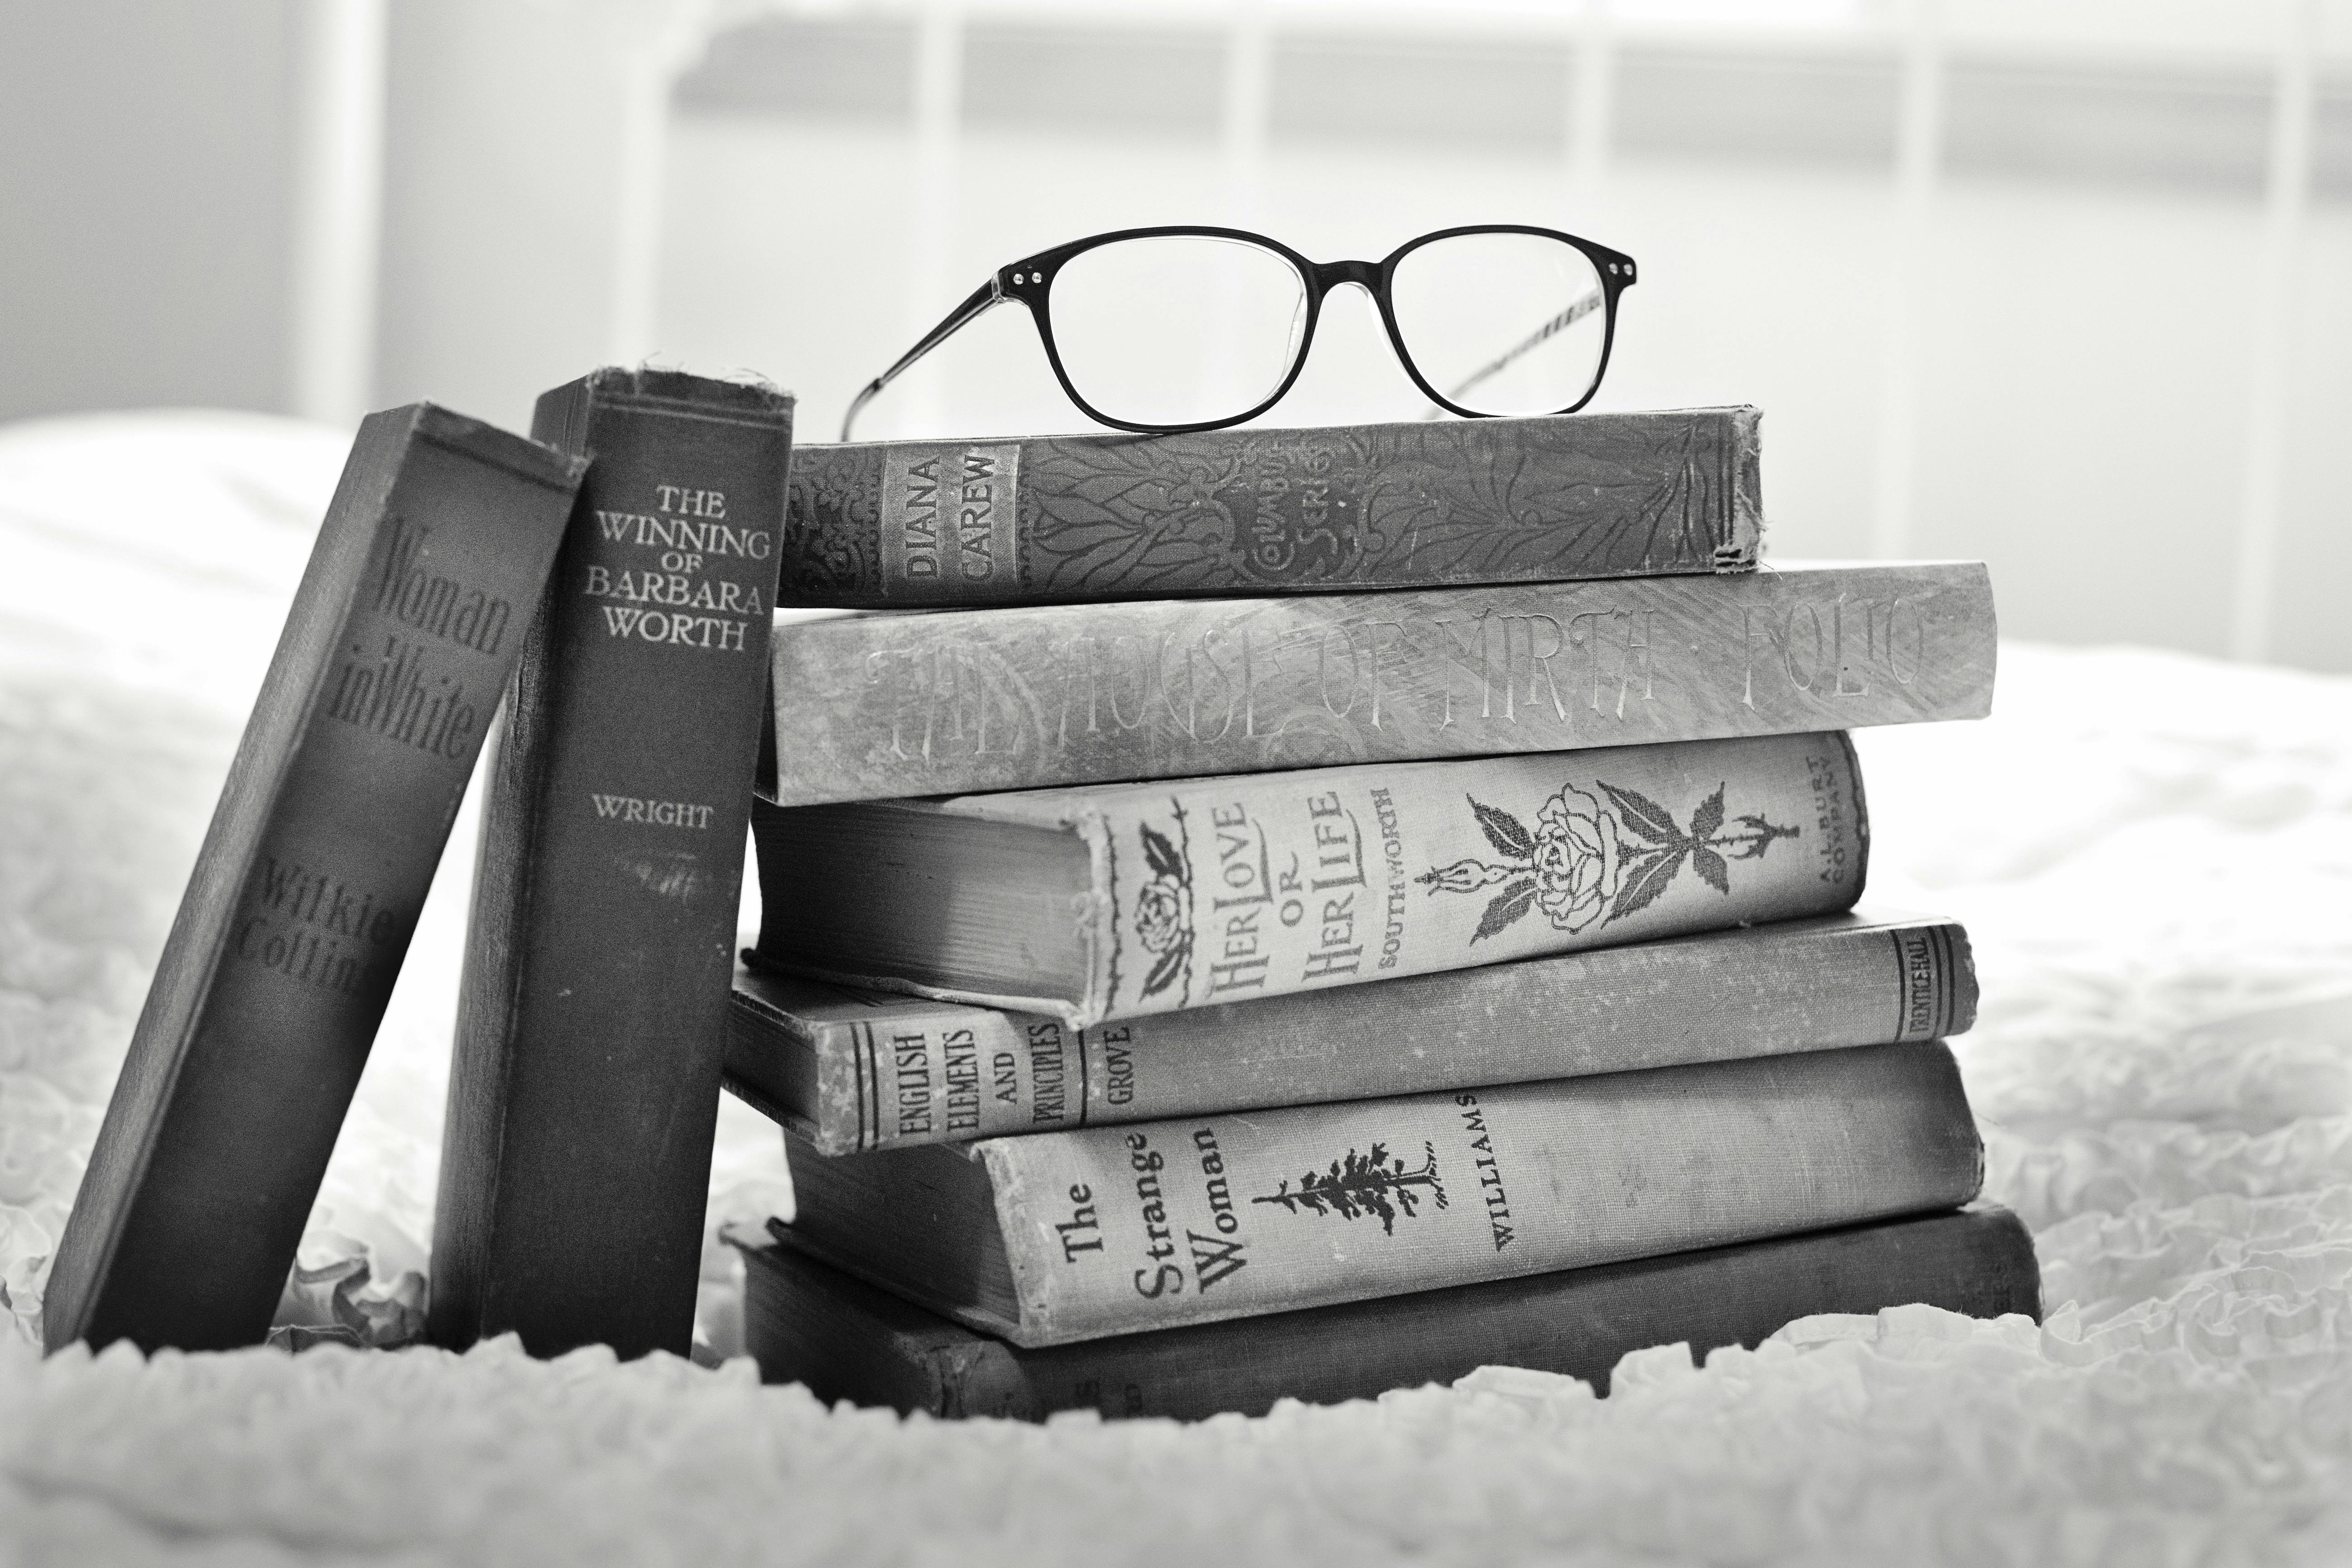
(808,1323)
(583,1089)
(299,913)
(1074,518)
(1117,1230)
(913,1072)
(1227,889)
(877,707)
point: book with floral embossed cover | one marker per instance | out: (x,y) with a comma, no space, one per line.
(874,705)
(1060,519)
(1118,900)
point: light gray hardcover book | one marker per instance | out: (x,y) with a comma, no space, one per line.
(1108,1231)
(852,1070)
(1110,902)
(870,706)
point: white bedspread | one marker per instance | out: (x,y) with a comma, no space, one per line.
(2153,854)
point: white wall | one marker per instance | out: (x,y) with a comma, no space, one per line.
(2084,283)
(145,226)
(500,146)
(2080,356)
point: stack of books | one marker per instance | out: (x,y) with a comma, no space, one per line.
(1334,909)
(1297,913)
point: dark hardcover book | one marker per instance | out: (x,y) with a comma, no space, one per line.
(1056,1237)
(278,965)
(806,1322)
(1112,902)
(852,1070)
(872,706)
(592,1008)
(1415,504)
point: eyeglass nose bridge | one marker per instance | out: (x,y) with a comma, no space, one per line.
(1327,276)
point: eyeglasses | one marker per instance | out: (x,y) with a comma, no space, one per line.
(1165,329)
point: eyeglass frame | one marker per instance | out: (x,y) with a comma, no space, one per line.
(1030,281)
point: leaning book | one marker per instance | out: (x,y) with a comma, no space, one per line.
(584,1080)
(408,620)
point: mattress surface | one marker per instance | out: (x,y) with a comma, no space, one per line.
(2152,852)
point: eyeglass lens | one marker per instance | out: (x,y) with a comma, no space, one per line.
(1501,323)
(1177,329)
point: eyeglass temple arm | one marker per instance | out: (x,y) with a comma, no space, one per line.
(988,294)
(1578,308)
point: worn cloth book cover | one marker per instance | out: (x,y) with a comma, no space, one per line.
(299,913)
(852,1070)
(1414,504)
(807,1323)
(872,706)
(1116,900)
(1061,1236)
(583,1092)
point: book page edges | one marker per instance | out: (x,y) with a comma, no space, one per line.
(970,1317)
(1078,810)
(1072,1013)
(1009,1184)
(1744,549)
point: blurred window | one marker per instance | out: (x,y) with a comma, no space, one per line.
(1068,78)
(1706,104)
(2208,130)
(1419,90)
(855,69)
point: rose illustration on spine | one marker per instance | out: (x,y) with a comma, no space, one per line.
(1159,916)
(1164,909)
(1588,864)
(1576,858)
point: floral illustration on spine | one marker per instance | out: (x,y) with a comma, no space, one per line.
(831,524)
(1368,1184)
(1163,909)
(1587,864)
